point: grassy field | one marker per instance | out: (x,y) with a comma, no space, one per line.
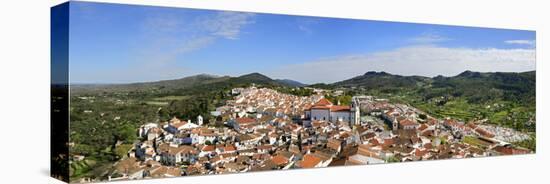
(89,167)
(81,169)
(170,98)
(498,112)
(155,103)
(474,141)
(122,150)
(165,100)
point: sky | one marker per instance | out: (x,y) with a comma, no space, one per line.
(113,43)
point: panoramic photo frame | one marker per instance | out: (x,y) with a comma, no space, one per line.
(142,92)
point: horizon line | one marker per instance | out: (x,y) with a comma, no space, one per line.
(219,76)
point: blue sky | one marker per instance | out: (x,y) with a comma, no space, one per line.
(112,43)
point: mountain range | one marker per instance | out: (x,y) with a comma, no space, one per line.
(186,82)
(507,85)
(474,86)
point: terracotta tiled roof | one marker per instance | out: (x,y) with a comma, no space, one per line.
(178,124)
(320,107)
(165,171)
(208,148)
(422,127)
(245,120)
(419,153)
(510,151)
(334,144)
(484,132)
(279,160)
(338,108)
(230,148)
(323,102)
(310,161)
(407,122)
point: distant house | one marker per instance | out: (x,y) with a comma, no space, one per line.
(171,155)
(454,125)
(242,123)
(335,145)
(164,171)
(145,150)
(510,150)
(153,133)
(201,135)
(129,168)
(226,149)
(280,161)
(247,141)
(236,91)
(408,124)
(264,148)
(215,113)
(144,129)
(358,159)
(207,150)
(175,125)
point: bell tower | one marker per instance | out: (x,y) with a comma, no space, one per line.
(199,120)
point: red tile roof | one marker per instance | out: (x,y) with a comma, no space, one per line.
(420,153)
(310,161)
(323,102)
(510,151)
(422,127)
(279,160)
(338,108)
(484,132)
(229,148)
(320,107)
(179,124)
(208,148)
(245,120)
(407,122)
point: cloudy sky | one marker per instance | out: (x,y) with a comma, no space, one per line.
(112,43)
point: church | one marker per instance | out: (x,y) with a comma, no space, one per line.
(324,110)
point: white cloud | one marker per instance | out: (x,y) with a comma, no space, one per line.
(227,24)
(305,23)
(413,60)
(305,29)
(521,42)
(428,38)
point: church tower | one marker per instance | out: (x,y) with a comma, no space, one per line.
(355,111)
(199,120)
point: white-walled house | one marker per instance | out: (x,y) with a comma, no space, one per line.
(172,154)
(201,135)
(144,129)
(175,125)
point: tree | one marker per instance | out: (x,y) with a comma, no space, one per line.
(126,133)
(422,116)
(392,159)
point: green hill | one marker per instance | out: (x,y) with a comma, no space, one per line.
(504,98)
(202,81)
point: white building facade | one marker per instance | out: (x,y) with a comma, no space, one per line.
(324,110)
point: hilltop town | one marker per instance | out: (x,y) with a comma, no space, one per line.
(264,129)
